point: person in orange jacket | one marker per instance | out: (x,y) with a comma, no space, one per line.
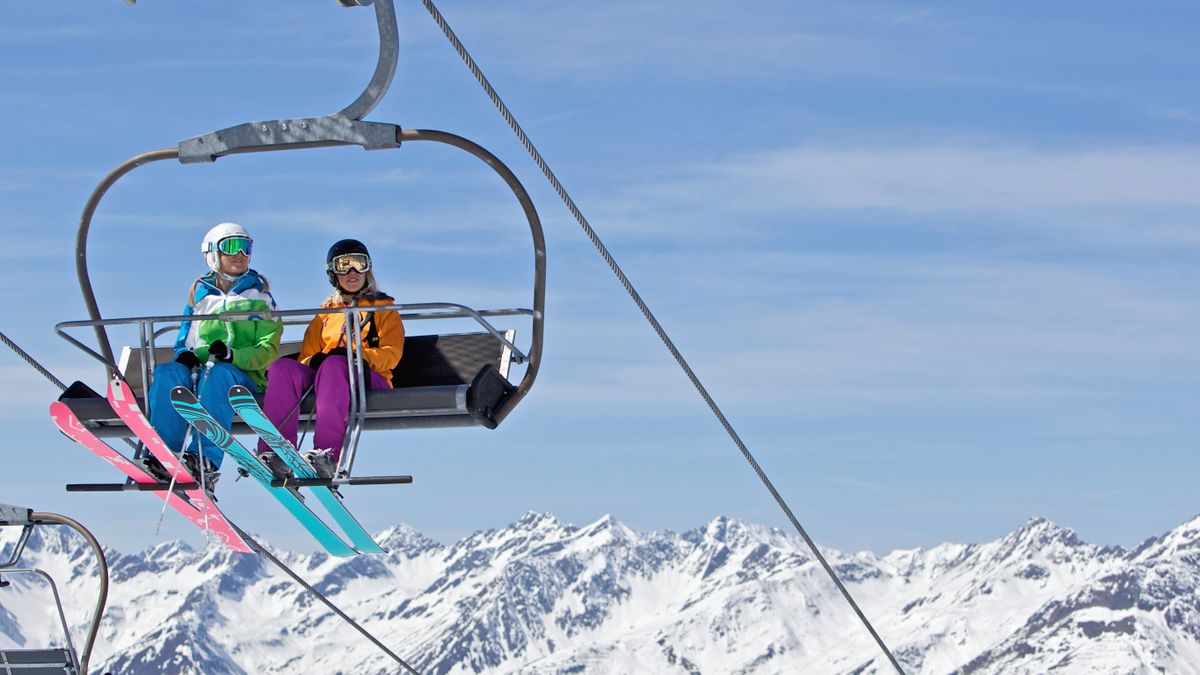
(323,361)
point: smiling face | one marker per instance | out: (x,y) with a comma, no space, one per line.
(234,265)
(352,281)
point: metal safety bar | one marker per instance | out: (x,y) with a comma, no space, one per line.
(148,335)
(62,615)
(358,391)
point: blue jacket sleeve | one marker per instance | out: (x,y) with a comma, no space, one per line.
(185,327)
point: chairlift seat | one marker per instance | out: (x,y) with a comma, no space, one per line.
(455,380)
(37,662)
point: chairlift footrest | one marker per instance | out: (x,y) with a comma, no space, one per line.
(131,487)
(334,482)
(380,480)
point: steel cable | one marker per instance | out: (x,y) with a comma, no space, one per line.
(262,550)
(637,299)
(33,362)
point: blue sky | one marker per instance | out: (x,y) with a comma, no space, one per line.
(937,262)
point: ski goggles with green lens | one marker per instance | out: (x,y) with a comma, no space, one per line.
(235,245)
(359,262)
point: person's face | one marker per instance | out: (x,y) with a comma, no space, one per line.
(234,265)
(352,281)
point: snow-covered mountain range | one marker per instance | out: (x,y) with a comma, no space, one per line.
(541,596)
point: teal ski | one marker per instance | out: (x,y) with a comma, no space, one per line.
(184,401)
(248,409)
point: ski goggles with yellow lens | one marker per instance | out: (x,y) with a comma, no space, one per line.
(359,262)
(235,245)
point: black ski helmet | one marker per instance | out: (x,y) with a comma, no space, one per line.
(342,248)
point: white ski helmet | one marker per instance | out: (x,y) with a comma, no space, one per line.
(221,231)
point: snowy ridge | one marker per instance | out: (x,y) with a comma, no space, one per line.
(542,596)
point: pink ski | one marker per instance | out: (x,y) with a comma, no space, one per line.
(70,425)
(205,511)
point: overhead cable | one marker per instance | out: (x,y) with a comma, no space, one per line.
(637,299)
(261,550)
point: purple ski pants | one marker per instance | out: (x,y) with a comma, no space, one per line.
(288,379)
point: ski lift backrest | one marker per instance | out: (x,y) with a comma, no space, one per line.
(132,358)
(449,359)
(429,360)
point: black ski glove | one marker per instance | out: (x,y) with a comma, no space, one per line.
(220,351)
(365,370)
(315,361)
(188,359)
(319,358)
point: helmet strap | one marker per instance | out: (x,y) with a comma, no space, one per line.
(229,277)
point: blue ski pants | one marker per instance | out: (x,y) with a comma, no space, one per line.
(213,392)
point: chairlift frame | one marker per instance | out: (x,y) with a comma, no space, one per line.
(343,128)
(67,659)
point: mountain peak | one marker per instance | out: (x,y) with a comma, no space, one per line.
(610,527)
(1182,539)
(730,531)
(405,541)
(1039,532)
(532,520)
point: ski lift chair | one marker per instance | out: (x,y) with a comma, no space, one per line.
(443,380)
(48,661)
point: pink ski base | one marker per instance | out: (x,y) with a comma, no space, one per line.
(70,425)
(206,514)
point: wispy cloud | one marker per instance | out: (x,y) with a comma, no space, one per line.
(1142,193)
(764,43)
(603,41)
(61,31)
(830,332)
(28,244)
(1177,114)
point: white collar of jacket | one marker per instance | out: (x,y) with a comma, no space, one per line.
(207,285)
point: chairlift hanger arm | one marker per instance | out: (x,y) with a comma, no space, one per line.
(313,132)
(539,250)
(344,127)
(385,68)
(81,238)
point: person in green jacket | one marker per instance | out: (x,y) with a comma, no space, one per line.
(212,355)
